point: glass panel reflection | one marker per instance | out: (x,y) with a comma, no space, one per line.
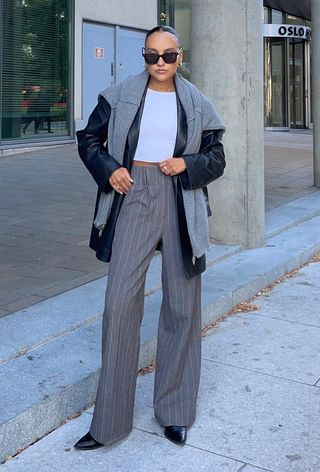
(274,89)
(296,64)
(35,73)
(276,17)
(294,20)
(165,13)
(183,26)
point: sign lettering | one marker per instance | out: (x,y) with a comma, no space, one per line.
(287,31)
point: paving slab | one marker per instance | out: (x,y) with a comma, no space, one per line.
(284,329)
(72,319)
(141,451)
(254,418)
(18,303)
(297,299)
(294,212)
(55,288)
(272,346)
(247,420)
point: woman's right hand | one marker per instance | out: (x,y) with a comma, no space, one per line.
(121,180)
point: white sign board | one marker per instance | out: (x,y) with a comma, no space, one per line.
(287,31)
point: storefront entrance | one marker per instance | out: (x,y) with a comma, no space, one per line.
(287,80)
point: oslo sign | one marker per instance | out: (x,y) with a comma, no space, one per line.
(287,31)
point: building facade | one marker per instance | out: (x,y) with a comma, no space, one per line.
(57,54)
(287,70)
(287,60)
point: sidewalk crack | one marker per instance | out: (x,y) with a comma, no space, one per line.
(260,372)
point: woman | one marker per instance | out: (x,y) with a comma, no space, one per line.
(163,148)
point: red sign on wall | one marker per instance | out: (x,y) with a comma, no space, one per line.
(99,53)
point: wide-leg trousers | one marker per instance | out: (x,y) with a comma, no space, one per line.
(148,215)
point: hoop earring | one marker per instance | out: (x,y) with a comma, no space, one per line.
(180,65)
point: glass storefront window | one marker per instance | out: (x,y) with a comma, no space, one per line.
(276,17)
(297,86)
(183,26)
(176,13)
(165,12)
(294,20)
(275,83)
(35,69)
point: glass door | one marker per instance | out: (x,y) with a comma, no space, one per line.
(275,83)
(297,87)
(308,79)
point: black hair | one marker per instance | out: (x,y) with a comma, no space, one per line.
(166,29)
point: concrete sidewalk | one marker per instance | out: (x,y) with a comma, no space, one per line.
(258,404)
(46,205)
(288,166)
(52,287)
(51,351)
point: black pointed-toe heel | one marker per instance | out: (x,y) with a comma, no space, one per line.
(176,434)
(87,442)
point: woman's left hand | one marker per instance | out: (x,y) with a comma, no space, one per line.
(173,166)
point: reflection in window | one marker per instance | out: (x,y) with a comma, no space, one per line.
(276,17)
(297,86)
(165,12)
(294,20)
(183,26)
(35,75)
(275,79)
(176,13)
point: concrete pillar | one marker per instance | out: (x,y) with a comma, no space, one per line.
(315,25)
(227,65)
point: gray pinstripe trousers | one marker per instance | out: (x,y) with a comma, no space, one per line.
(148,215)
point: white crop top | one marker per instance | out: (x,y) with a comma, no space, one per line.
(158,128)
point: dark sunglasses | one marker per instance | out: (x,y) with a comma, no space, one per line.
(153,57)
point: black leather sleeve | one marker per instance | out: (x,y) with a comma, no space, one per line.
(205,166)
(91,146)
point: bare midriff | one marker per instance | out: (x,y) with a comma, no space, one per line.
(144,163)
